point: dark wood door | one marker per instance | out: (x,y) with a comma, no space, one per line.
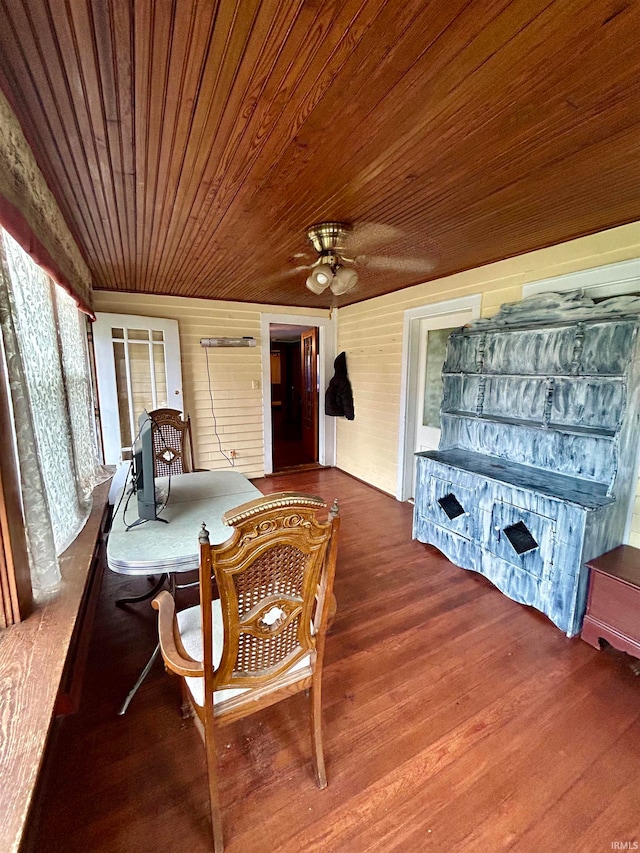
(309,355)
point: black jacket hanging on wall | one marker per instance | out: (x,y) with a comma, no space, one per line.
(338,400)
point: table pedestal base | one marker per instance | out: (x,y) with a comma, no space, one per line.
(147,595)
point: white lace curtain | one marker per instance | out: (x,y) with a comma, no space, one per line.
(44,339)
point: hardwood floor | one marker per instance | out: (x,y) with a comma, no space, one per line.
(290,453)
(453,719)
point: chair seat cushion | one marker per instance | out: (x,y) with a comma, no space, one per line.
(190,627)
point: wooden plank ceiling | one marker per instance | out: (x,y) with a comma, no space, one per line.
(191,143)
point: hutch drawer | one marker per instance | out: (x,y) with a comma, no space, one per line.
(521,537)
(451,506)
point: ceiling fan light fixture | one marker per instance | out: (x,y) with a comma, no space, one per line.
(344,280)
(320,278)
(323,277)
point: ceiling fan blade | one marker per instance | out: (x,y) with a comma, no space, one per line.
(287,273)
(367,234)
(388,262)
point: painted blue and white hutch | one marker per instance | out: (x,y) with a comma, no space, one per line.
(536,465)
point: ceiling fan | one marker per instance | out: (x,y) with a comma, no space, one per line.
(339,248)
(331,269)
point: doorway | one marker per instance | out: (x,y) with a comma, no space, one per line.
(433,334)
(137,369)
(426,330)
(298,351)
(294,395)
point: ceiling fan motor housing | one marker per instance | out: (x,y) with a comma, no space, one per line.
(328,237)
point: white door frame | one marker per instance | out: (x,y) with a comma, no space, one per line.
(409,378)
(609,280)
(327,347)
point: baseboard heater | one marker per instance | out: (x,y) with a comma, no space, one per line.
(228,342)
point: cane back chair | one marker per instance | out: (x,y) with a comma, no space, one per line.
(172,442)
(263,639)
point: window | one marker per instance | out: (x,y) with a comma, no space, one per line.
(44,344)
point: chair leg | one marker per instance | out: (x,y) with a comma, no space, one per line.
(214,798)
(333,609)
(315,707)
(186,710)
(216,815)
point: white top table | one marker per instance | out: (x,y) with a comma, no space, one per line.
(155,547)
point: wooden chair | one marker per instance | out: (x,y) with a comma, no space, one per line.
(172,442)
(263,640)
